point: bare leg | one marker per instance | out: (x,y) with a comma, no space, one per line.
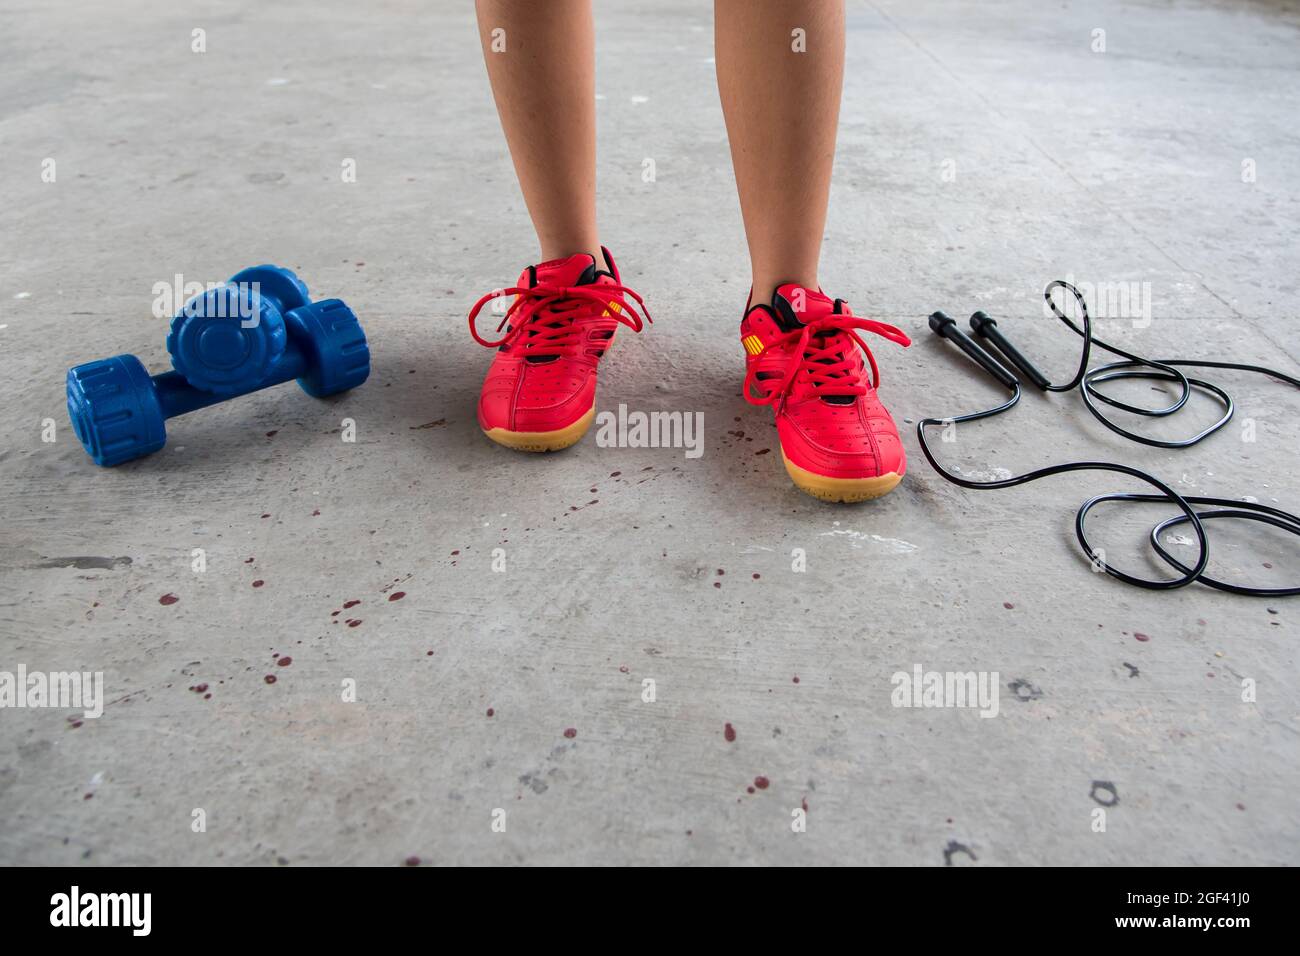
(782,108)
(545,88)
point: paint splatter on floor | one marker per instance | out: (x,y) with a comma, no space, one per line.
(729,734)
(571,732)
(954,847)
(167,599)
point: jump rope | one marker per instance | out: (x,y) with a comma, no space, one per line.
(1086,380)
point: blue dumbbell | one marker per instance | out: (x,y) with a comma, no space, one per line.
(257,330)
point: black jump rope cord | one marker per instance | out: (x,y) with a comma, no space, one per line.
(1086,380)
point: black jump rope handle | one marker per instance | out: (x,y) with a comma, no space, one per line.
(947,327)
(986,328)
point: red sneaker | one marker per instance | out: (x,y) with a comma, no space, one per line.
(804,354)
(540,393)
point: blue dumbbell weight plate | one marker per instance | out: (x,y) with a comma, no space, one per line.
(114,409)
(282,286)
(339,355)
(227,340)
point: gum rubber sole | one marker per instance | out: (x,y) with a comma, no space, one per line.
(543,441)
(841,489)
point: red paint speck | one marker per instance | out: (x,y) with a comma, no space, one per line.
(284,661)
(258,583)
(717,584)
(168,599)
(796,678)
(397,595)
(412,861)
(352,603)
(87,796)
(571,733)
(266,516)
(761,782)
(729,734)
(1008,605)
(623,668)
(804,804)
(757,575)
(269,678)
(316,513)
(248,560)
(1141,637)
(491,712)
(749,789)
(272,433)
(356,622)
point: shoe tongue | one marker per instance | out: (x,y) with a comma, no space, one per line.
(579,269)
(796,305)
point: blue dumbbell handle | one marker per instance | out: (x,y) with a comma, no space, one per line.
(176,396)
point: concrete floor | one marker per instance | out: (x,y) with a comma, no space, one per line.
(1109,167)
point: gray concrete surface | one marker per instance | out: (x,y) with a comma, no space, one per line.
(985,149)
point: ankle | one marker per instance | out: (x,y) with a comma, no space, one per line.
(553,251)
(765,285)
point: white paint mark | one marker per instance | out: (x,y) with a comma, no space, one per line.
(1180,539)
(640,99)
(23,295)
(992,474)
(856,539)
(277,81)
